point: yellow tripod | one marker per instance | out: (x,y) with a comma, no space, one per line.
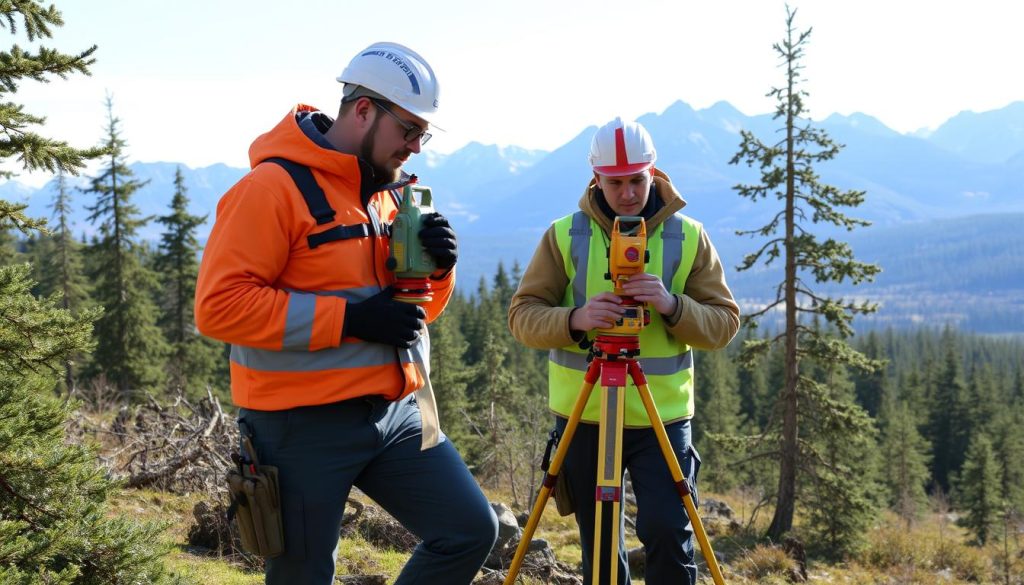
(613,356)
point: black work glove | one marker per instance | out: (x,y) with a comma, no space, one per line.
(382,319)
(438,239)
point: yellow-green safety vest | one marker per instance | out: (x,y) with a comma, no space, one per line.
(667,362)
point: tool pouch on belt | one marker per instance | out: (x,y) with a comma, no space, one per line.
(256,503)
(562,491)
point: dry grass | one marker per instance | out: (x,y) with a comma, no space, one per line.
(934,550)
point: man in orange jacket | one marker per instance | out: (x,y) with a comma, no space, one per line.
(330,372)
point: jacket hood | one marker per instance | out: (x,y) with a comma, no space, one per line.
(663,188)
(287,140)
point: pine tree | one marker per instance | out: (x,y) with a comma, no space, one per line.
(787,172)
(978,489)
(61,268)
(130,349)
(54,525)
(194,358)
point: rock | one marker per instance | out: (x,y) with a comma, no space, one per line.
(362,579)
(508,526)
(381,530)
(637,559)
(522,519)
(717,508)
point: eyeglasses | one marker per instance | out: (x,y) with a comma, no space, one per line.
(412,131)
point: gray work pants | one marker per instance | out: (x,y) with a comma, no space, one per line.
(374,444)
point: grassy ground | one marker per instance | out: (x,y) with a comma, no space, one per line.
(932,551)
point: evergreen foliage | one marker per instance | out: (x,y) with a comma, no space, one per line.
(194,359)
(130,349)
(719,417)
(448,373)
(837,463)
(54,526)
(8,243)
(948,422)
(904,463)
(17,138)
(53,522)
(979,489)
(59,264)
(787,172)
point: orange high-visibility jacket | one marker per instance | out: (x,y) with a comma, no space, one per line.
(280,303)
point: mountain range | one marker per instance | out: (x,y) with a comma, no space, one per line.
(968,171)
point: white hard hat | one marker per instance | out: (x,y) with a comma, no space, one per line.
(398,74)
(621,148)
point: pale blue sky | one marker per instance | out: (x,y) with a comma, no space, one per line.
(194,81)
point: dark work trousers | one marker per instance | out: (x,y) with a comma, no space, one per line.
(662,524)
(374,444)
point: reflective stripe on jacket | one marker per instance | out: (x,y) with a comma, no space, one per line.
(667,363)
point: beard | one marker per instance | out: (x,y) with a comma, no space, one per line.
(381,175)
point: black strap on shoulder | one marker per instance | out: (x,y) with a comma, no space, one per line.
(316,201)
(339,232)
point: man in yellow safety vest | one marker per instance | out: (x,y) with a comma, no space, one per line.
(564,295)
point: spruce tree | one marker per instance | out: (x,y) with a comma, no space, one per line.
(871,384)
(754,378)
(720,417)
(1007,431)
(54,524)
(448,371)
(61,268)
(838,486)
(787,172)
(130,349)
(194,358)
(947,428)
(905,463)
(8,242)
(978,490)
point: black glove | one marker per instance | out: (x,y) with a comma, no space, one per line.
(382,319)
(438,239)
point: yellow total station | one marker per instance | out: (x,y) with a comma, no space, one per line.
(627,255)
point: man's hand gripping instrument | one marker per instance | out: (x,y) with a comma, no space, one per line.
(627,255)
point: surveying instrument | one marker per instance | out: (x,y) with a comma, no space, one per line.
(408,259)
(613,354)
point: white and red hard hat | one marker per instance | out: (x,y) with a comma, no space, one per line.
(621,148)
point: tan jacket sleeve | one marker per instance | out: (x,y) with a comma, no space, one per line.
(706,315)
(535,316)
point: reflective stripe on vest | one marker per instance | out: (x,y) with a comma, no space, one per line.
(667,363)
(295,356)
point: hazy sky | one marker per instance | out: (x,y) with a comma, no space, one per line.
(194,81)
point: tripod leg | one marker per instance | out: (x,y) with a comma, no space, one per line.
(552,474)
(609,482)
(677,473)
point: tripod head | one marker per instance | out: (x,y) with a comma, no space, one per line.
(627,255)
